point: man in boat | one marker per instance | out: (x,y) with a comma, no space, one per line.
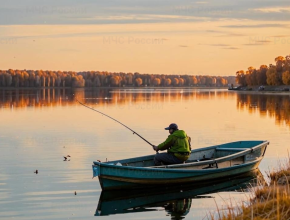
(177,145)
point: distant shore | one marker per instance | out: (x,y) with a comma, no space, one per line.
(262,89)
(112,87)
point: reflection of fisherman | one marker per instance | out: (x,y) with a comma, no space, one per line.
(178,209)
(177,145)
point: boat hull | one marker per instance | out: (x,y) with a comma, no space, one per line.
(173,177)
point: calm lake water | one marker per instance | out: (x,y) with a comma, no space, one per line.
(39,127)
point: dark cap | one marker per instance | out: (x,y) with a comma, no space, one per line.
(172,126)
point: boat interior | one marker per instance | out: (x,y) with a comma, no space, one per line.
(218,156)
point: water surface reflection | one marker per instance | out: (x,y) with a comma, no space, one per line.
(39,127)
(62,97)
(176,201)
(273,105)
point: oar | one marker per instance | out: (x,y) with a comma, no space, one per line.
(134,132)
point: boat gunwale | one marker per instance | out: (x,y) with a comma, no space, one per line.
(170,168)
(208,171)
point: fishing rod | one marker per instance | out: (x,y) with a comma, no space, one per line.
(134,132)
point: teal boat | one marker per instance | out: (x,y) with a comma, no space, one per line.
(204,164)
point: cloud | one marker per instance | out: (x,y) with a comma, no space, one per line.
(263,41)
(68,50)
(257,26)
(214,31)
(224,46)
(281,36)
(129,11)
(259,44)
(216,45)
(144,17)
(232,35)
(219,45)
(231,48)
(273,10)
(225,33)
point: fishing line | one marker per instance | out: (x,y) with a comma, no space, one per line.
(134,132)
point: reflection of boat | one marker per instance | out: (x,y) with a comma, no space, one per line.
(175,200)
(204,164)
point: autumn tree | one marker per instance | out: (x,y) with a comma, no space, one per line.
(286,78)
(209,81)
(272,76)
(224,81)
(129,78)
(32,79)
(115,80)
(280,61)
(181,81)
(97,82)
(261,75)
(241,79)
(168,82)
(139,81)
(202,80)
(175,82)
(156,81)
(2,80)
(194,80)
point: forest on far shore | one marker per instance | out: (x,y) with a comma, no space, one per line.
(274,75)
(41,78)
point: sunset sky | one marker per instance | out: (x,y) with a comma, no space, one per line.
(159,37)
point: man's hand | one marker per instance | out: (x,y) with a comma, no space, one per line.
(155,148)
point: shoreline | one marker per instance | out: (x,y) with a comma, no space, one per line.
(111,87)
(269,90)
(270,201)
(262,92)
(281,88)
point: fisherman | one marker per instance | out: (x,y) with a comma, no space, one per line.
(177,145)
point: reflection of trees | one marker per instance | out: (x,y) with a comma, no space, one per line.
(34,98)
(271,105)
(62,97)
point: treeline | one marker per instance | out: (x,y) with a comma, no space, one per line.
(40,78)
(278,74)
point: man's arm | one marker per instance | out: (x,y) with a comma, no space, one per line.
(189,141)
(166,144)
